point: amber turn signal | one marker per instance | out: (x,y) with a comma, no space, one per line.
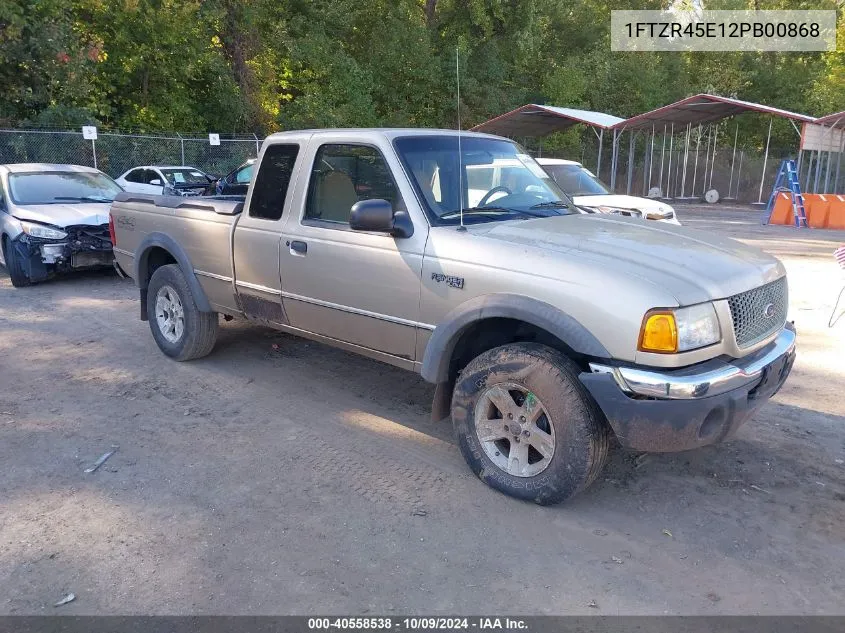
(659,332)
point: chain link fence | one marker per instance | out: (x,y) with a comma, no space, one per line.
(114,153)
(735,176)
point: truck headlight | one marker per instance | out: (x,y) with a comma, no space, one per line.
(680,329)
(41,231)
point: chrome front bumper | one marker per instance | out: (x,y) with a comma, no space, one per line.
(710,378)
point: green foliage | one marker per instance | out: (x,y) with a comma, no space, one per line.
(262,65)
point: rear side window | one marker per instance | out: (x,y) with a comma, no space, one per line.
(136,175)
(271,182)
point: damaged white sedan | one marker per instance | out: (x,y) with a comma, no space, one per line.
(53,218)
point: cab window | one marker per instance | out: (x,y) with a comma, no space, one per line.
(343,175)
(271,182)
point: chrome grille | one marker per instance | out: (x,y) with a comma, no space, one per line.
(759,313)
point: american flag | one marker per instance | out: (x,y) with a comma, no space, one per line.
(839,254)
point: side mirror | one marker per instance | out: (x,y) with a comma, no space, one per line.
(156,181)
(378,216)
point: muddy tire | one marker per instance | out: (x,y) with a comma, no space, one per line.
(180,329)
(527,426)
(13,266)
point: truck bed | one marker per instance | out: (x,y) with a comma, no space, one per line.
(200,226)
(223,205)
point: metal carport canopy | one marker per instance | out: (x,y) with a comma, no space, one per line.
(541,120)
(831,120)
(703,108)
(835,128)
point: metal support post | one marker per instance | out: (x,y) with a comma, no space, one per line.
(713,158)
(598,159)
(765,162)
(662,153)
(733,161)
(686,158)
(650,160)
(669,170)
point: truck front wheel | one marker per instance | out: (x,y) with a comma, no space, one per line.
(179,328)
(527,426)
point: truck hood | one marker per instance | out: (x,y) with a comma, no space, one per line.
(694,266)
(62,215)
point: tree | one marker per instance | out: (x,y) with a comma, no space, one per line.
(262,65)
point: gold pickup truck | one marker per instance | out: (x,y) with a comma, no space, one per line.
(546,330)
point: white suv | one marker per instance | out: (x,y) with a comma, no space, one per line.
(165,180)
(589,193)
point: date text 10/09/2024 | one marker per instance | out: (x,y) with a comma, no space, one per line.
(417,624)
(669,30)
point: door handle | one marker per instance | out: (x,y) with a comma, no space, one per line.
(298,247)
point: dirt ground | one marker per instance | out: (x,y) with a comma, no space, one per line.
(281,476)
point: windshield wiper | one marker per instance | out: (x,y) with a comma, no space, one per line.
(491,211)
(552,204)
(84,198)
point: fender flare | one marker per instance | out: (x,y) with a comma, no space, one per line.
(166,242)
(441,345)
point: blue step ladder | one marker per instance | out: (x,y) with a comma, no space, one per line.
(787,182)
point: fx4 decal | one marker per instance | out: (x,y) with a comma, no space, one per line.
(126,222)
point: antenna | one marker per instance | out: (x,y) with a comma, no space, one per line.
(460,166)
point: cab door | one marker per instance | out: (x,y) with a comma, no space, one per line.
(357,287)
(257,234)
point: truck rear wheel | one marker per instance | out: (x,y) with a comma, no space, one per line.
(179,328)
(527,426)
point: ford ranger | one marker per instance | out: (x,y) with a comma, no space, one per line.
(546,331)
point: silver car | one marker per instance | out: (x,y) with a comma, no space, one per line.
(53,218)
(591,194)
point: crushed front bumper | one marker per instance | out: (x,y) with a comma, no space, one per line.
(84,247)
(676,410)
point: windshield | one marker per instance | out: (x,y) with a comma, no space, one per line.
(243,175)
(576,180)
(185,176)
(54,187)
(498,180)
